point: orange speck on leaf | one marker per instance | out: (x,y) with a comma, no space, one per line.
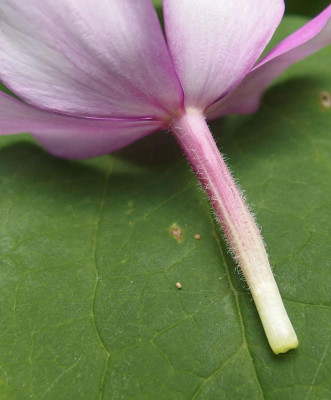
(176,232)
(325,98)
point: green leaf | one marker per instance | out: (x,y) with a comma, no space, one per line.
(89,308)
(305,7)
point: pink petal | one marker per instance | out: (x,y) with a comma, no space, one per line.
(214,43)
(245,99)
(71,137)
(104,58)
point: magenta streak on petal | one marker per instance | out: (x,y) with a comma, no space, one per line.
(71,137)
(302,36)
(194,137)
(245,98)
(94,118)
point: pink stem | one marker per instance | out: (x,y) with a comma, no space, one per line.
(194,137)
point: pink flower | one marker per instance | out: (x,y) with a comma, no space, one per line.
(95,77)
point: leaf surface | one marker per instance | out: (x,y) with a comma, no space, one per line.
(88,262)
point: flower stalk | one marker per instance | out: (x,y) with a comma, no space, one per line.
(241,231)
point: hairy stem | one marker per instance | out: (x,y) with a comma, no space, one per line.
(194,137)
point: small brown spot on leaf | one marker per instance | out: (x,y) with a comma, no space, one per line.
(178,285)
(176,232)
(197,236)
(325,98)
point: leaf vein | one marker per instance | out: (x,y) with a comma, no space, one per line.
(96,272)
